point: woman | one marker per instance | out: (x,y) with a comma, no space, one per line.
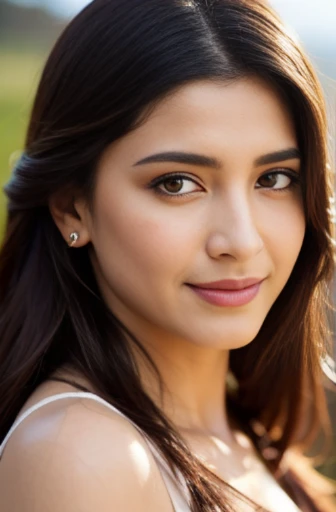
(165,266)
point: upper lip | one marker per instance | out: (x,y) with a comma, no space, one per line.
(230,284)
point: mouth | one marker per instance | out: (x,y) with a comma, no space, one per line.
(235,296)
(229,284)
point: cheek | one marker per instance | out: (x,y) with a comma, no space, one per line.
(137,245)
(285,234)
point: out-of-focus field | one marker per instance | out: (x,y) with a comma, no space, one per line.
(20,72)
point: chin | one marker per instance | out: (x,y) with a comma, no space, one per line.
(226,335)
(237,340)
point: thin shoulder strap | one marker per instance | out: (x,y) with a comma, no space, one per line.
(177,489)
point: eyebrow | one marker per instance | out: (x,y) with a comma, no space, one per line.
(278,156)
(180,157)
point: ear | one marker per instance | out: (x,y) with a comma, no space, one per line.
(70,215)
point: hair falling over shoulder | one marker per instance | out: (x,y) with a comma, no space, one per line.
(51,311)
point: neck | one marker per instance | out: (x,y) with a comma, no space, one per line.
(194,386)
(193,396)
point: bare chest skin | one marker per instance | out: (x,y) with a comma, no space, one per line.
(242,469)
(238,465)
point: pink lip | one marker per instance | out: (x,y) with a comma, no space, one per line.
(237,296)
(229,284)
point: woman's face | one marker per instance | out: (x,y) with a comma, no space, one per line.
(234,211)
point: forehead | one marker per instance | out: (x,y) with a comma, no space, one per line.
(246,118)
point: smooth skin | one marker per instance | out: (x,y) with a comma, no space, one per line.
(241,216)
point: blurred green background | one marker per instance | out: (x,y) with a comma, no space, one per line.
(26,36)
(29,28)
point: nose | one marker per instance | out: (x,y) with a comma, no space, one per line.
(237,230)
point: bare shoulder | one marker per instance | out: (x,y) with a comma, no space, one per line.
(76,454)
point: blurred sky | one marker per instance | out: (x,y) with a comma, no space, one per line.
(308,17)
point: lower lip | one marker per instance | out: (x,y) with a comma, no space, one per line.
(227,297)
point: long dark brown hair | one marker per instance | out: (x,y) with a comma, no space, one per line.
(111,65)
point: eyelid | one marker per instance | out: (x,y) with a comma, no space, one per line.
(176,175)
(283,170)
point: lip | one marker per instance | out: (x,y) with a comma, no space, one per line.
(229,297)
(229,284)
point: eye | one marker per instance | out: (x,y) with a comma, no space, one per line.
(278,180)
(172,184)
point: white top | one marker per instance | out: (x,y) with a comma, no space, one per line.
(177,490)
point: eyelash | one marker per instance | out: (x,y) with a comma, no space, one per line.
(294,176)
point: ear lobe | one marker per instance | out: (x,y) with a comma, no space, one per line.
(70,217)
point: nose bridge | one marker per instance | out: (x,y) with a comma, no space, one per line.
(239,209)
(238,223)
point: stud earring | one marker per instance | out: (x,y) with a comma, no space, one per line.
(73,238)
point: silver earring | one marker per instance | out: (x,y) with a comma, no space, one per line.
(73,238)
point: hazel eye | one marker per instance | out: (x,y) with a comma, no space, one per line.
(277,180)
(172,185)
